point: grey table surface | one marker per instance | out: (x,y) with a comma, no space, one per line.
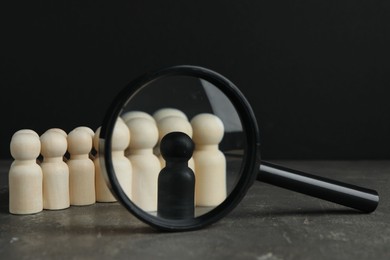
(270,223)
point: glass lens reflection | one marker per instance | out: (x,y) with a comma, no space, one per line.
(202,112)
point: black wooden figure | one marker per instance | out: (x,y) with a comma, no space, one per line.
(176,181)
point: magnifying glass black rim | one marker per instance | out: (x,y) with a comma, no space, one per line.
(251,158)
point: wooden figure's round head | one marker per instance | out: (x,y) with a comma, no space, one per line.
(168,111)
(25,145)
(86,129)
(137,114)
(79,142)
(207,129)
(120,136)
(27,131)
(144,133)
(59,130)
(176,146)
(53,143)
(173,124)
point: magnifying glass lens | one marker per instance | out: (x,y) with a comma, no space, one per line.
(175,149)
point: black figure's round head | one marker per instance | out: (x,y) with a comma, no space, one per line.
(176,146)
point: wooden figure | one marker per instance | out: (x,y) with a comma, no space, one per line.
(81,168)
(25,175)
(55,170)
(146,165)
(210,162)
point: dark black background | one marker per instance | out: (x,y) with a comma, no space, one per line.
(315,72)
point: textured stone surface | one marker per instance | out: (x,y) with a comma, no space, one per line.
(270,223)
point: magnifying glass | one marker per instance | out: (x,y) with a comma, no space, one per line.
(192,143)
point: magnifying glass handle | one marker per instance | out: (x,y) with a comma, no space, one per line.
(352,196)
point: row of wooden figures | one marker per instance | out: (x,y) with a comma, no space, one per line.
(56,182)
